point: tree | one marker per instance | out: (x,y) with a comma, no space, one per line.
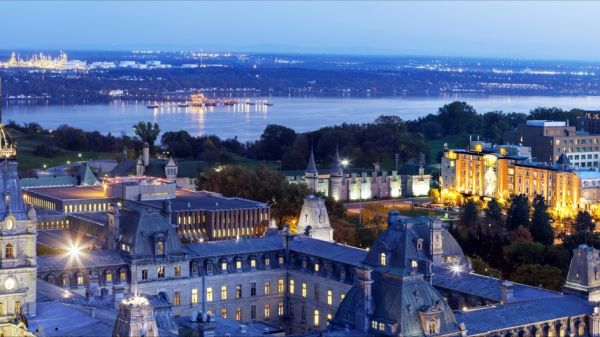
(459,117)
(275,141)
(540,229)
(518,212)
(545,275)
(481,267)
(523,252)
(583,222)
(147,132)
(494,218)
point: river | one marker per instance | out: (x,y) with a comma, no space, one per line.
(247,122)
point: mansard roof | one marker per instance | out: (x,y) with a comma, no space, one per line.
(140,226)
(87,260)
(500,317)
(234,247)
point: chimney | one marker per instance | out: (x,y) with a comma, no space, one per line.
(146,154)
(507,291)
(113,229)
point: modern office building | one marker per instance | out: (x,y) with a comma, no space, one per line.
(549,139)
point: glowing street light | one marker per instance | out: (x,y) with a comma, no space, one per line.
(456,269)
(74,250)
(345,163)
(79,155)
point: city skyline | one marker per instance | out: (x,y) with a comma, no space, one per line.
(498,29)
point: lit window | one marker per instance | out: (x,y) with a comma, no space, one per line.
(253,263)
(267,311)
(224,312)
(291,286)
(330,297)
(194,295)
(281,260)
(9,251)
(108,277)
(223,293)
(280,286)
(224,266)
(267,287)
(280,309)
(238,291)
(177,271)
(316,318)
(383,259)
(238,313)
(303,289)
(123,276)
(267,261)
(238,264)
(160,273)
(414,263)
(79,280)
(342,295)
(209,294)
(177,298)
(316,267)
(329,317)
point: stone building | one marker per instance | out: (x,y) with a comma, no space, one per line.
(358,184)
(314,220)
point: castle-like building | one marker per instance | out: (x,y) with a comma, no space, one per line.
(362,184)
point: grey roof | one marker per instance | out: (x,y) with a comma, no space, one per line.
(124,168)
(71,192)
(49,181)
(311,167)
(59,320)
(522,313)
(85,176)
(58,239)
(486,287)
(232,247)
(10,186)
(140,224)
(328,250)
(563,159)
(186,200)
(336,167)
(88,259)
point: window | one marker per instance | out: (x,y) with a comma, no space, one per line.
(383,259)
(160,273)
(414,263)
(238,291)
(267,311)
(123,276)
(9,251)
(238,313)
(329,296)
(144,274)
(342,295)
(374,325)
(194,295)
(292,286)
(79,280)
(108,277)
(267,287)
(177,271)
(253,263)
(329,317)
(223,293)
(238,265)
(224,312)
(253,311)
(280,286)
(177,298)
(267,261)
(316,292)
(304,289)
(253,289)
(316,267)
(303,313)
(316,318)
(65,280)
(160,248)
(281,260)
(223,266)
(280,308)
(18,307)
(209,294)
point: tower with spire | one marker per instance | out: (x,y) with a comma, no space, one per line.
(336,175)
(311,176)
(17,241)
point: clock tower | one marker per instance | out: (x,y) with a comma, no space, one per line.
(18,267)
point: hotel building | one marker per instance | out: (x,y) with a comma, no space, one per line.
(501,171)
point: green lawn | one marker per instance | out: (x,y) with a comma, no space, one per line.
(27,143)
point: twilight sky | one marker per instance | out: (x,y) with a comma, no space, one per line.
(551,30)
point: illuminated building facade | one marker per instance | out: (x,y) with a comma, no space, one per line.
(354,185)
(502,171)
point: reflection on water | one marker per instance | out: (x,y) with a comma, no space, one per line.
(247,121)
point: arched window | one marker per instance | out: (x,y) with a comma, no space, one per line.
(9,251)
(160,248)
(383,259)
(18,307)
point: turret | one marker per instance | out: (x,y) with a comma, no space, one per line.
(311,176)
(335,177)
(584,273)
(135,318)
